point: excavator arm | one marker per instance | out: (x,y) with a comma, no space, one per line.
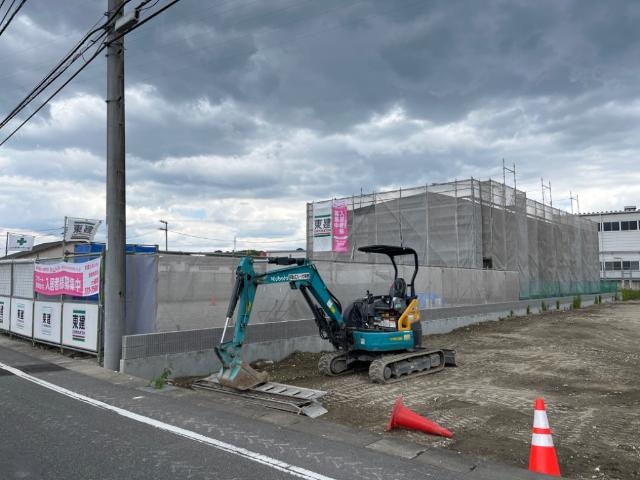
(300,275)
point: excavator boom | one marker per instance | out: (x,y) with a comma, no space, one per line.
(300,275)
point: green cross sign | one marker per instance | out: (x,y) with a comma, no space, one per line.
(21,241)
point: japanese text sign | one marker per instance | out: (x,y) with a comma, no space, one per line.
(77,279)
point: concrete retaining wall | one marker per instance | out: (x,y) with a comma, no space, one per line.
(190,353)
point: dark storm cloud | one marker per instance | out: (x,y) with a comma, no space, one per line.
(269,104)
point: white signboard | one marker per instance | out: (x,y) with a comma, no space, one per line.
(16,241)
(80,326)
(5,312)
(46,321)
(80,229)
(322,226)
(22,317)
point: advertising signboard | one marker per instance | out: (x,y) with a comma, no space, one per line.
(5,312)
(80,326)
(322,226)
(22,317)
(61,278)
(46,321)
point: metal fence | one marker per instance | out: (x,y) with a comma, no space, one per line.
(63,321)
(479,225)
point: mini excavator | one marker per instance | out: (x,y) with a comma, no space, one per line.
(381,331)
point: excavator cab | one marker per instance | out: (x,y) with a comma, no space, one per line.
(396,311)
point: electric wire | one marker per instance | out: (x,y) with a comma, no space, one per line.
(87,62)
(15,12)
(60,68)
(7,12)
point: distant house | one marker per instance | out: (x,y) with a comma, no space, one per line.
(43,250)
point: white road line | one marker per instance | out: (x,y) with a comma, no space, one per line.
(227,447)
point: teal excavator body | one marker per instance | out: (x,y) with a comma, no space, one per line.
(374,328)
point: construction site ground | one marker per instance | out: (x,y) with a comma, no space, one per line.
(584,363)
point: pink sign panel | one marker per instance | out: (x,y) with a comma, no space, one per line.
(340,228)
(77,279)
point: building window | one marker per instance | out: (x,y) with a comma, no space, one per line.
(630,225)
(626,265)
(598,227)
(606,226)
(615,226)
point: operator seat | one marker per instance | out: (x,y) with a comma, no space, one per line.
(398,295)
(398,288)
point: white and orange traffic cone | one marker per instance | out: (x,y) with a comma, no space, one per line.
(542,458)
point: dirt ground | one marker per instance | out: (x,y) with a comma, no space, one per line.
(584,363)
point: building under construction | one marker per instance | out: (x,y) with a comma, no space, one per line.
(477,225)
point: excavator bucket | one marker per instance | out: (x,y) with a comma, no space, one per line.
(242,378)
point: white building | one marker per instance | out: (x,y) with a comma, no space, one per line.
(619,241)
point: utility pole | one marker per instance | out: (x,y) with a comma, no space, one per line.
(166,238)
(114,308)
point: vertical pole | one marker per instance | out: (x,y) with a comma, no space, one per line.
(455,216)
(571,198)
(64,236)
(400,217)
(426,214)
(116,200)
(6,246)
(166,232)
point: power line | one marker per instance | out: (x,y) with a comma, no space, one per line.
(7,12)
(202,238)
(53,95)
(15,12)
(75,74)
(61,67)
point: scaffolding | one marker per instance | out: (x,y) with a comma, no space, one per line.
(477,225)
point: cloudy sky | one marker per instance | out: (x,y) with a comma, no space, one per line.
(241,111)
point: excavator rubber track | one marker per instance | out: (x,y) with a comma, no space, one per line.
(401,366)
(334,363)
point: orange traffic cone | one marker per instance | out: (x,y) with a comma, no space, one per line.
(542,458)
(402,416)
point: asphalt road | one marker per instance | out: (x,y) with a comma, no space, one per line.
(45,434)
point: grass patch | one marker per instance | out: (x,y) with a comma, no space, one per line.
(628,294)
(161,380)
(577,302)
